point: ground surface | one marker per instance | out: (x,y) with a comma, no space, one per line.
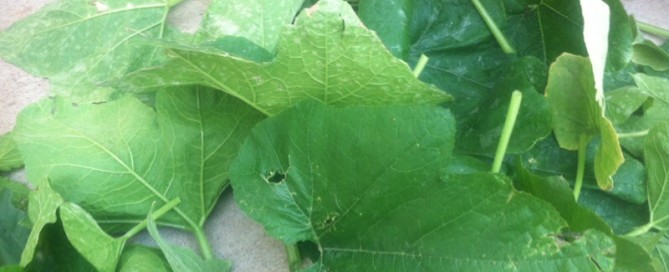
(232,234)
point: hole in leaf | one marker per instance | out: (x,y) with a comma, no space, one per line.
(309,252)
(275,177)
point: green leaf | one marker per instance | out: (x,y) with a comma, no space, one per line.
(571,96)
(621,215)
(53,248)
(647,53)
(653,111)
(661,254)
(183,259)
(392,21)
(115,166)
(259,21)
(19,191)
(545,29)
(137,258)
(656,155)
(350,195)
(10,158)
(89,43)
(12,233)
(42,207)
(622,103)
(327,55)
(479,132)
(555,190)
(100,249)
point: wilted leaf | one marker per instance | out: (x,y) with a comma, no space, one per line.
(571,96)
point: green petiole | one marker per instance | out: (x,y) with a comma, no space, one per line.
(155,215)
(499,36)
(580,169)
(633,134)
(420,66)
(654,30)
(294,259)
(511,115)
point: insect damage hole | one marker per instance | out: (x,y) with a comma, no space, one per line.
(274,177)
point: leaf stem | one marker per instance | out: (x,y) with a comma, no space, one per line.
(580,169)
(420,66)
(205,247)
(633,134)
(654,30)
(640,230)
(511,115)
(294,259)
(499,36)
(155,215)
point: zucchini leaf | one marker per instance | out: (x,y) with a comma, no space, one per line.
(115,171)
(327,55)
(373,202)
(79,45)
(571,96)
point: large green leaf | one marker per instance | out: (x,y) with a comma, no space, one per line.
(184,259)
(100,249)
(327,55)
(12,233)
(10,157)
(117,158)
(576,114)
(81,44)
(656,154)
(259,21)
(376,203)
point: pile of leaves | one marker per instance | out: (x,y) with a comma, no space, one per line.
(357,162)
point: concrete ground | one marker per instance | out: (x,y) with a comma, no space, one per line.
(231,233)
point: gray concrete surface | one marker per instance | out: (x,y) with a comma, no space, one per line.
(232,234)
